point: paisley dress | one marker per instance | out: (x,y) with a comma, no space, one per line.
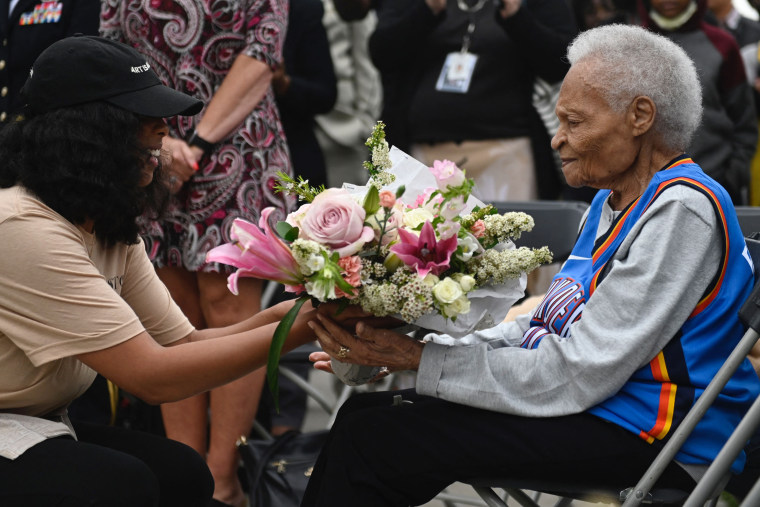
(191,44)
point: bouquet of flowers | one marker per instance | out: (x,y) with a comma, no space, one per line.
(430,255)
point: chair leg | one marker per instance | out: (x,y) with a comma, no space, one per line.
(489,496)
(521,497)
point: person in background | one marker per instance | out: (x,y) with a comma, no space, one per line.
(592,13)
(746,31)
(727,138)
(27,27)
(305,86)
(458,78)
(632,330)
(224,166)
(343,131)
(80,296)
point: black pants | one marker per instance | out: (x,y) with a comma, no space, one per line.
(106,467)
(378,454)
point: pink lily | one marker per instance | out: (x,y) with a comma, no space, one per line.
(425,253)
(257,252)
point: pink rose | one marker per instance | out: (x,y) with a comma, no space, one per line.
(478,229)
(334,219)
(296,217)
(387,199)
(447,174)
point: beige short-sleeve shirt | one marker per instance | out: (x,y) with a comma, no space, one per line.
(64,293)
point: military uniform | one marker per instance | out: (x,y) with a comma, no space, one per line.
(24,33)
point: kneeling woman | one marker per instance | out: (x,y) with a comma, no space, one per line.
(78,294)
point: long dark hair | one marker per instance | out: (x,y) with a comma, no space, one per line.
(84,162)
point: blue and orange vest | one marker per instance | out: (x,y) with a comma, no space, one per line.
(655,399)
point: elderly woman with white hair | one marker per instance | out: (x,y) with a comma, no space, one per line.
(639,319)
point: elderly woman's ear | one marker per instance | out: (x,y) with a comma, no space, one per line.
(642,112)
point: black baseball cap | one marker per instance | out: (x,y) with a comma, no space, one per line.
(85,68)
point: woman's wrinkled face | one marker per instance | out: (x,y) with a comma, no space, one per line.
(595,143)
(151,133)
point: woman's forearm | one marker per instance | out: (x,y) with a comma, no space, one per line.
(201,366)
(273,314)
(160,374)
(243,88)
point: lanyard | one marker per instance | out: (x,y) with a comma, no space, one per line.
(470,10)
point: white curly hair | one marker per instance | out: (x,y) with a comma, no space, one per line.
(630,61)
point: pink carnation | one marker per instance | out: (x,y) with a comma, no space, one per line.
(352,269)
(478,229)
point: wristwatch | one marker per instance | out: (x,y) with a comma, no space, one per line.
(196,140)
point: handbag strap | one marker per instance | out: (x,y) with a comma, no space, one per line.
(271,450)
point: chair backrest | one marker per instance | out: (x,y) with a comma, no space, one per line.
(749,219)
(749,314)
(556,224)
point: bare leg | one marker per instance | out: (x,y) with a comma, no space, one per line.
(187,420)
(233,406)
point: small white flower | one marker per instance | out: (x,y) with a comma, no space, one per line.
(470,245)
(315,263)
(448,229)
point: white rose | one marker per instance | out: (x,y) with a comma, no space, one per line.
(447,291)
(459,306)
(417,216)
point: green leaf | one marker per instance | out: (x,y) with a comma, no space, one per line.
(400,191)
(275,349)
(344,285)
(286,231)
(372,201)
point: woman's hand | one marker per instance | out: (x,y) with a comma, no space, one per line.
(436,5)
(184,162)
(371,346)
(509,8)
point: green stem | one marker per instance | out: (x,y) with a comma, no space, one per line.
(275,349)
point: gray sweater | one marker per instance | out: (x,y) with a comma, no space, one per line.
(657,276)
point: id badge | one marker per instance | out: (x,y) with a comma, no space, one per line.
(456,73)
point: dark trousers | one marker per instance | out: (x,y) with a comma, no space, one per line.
(107,466)
(379,454)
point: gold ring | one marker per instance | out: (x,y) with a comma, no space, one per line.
(343,352)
